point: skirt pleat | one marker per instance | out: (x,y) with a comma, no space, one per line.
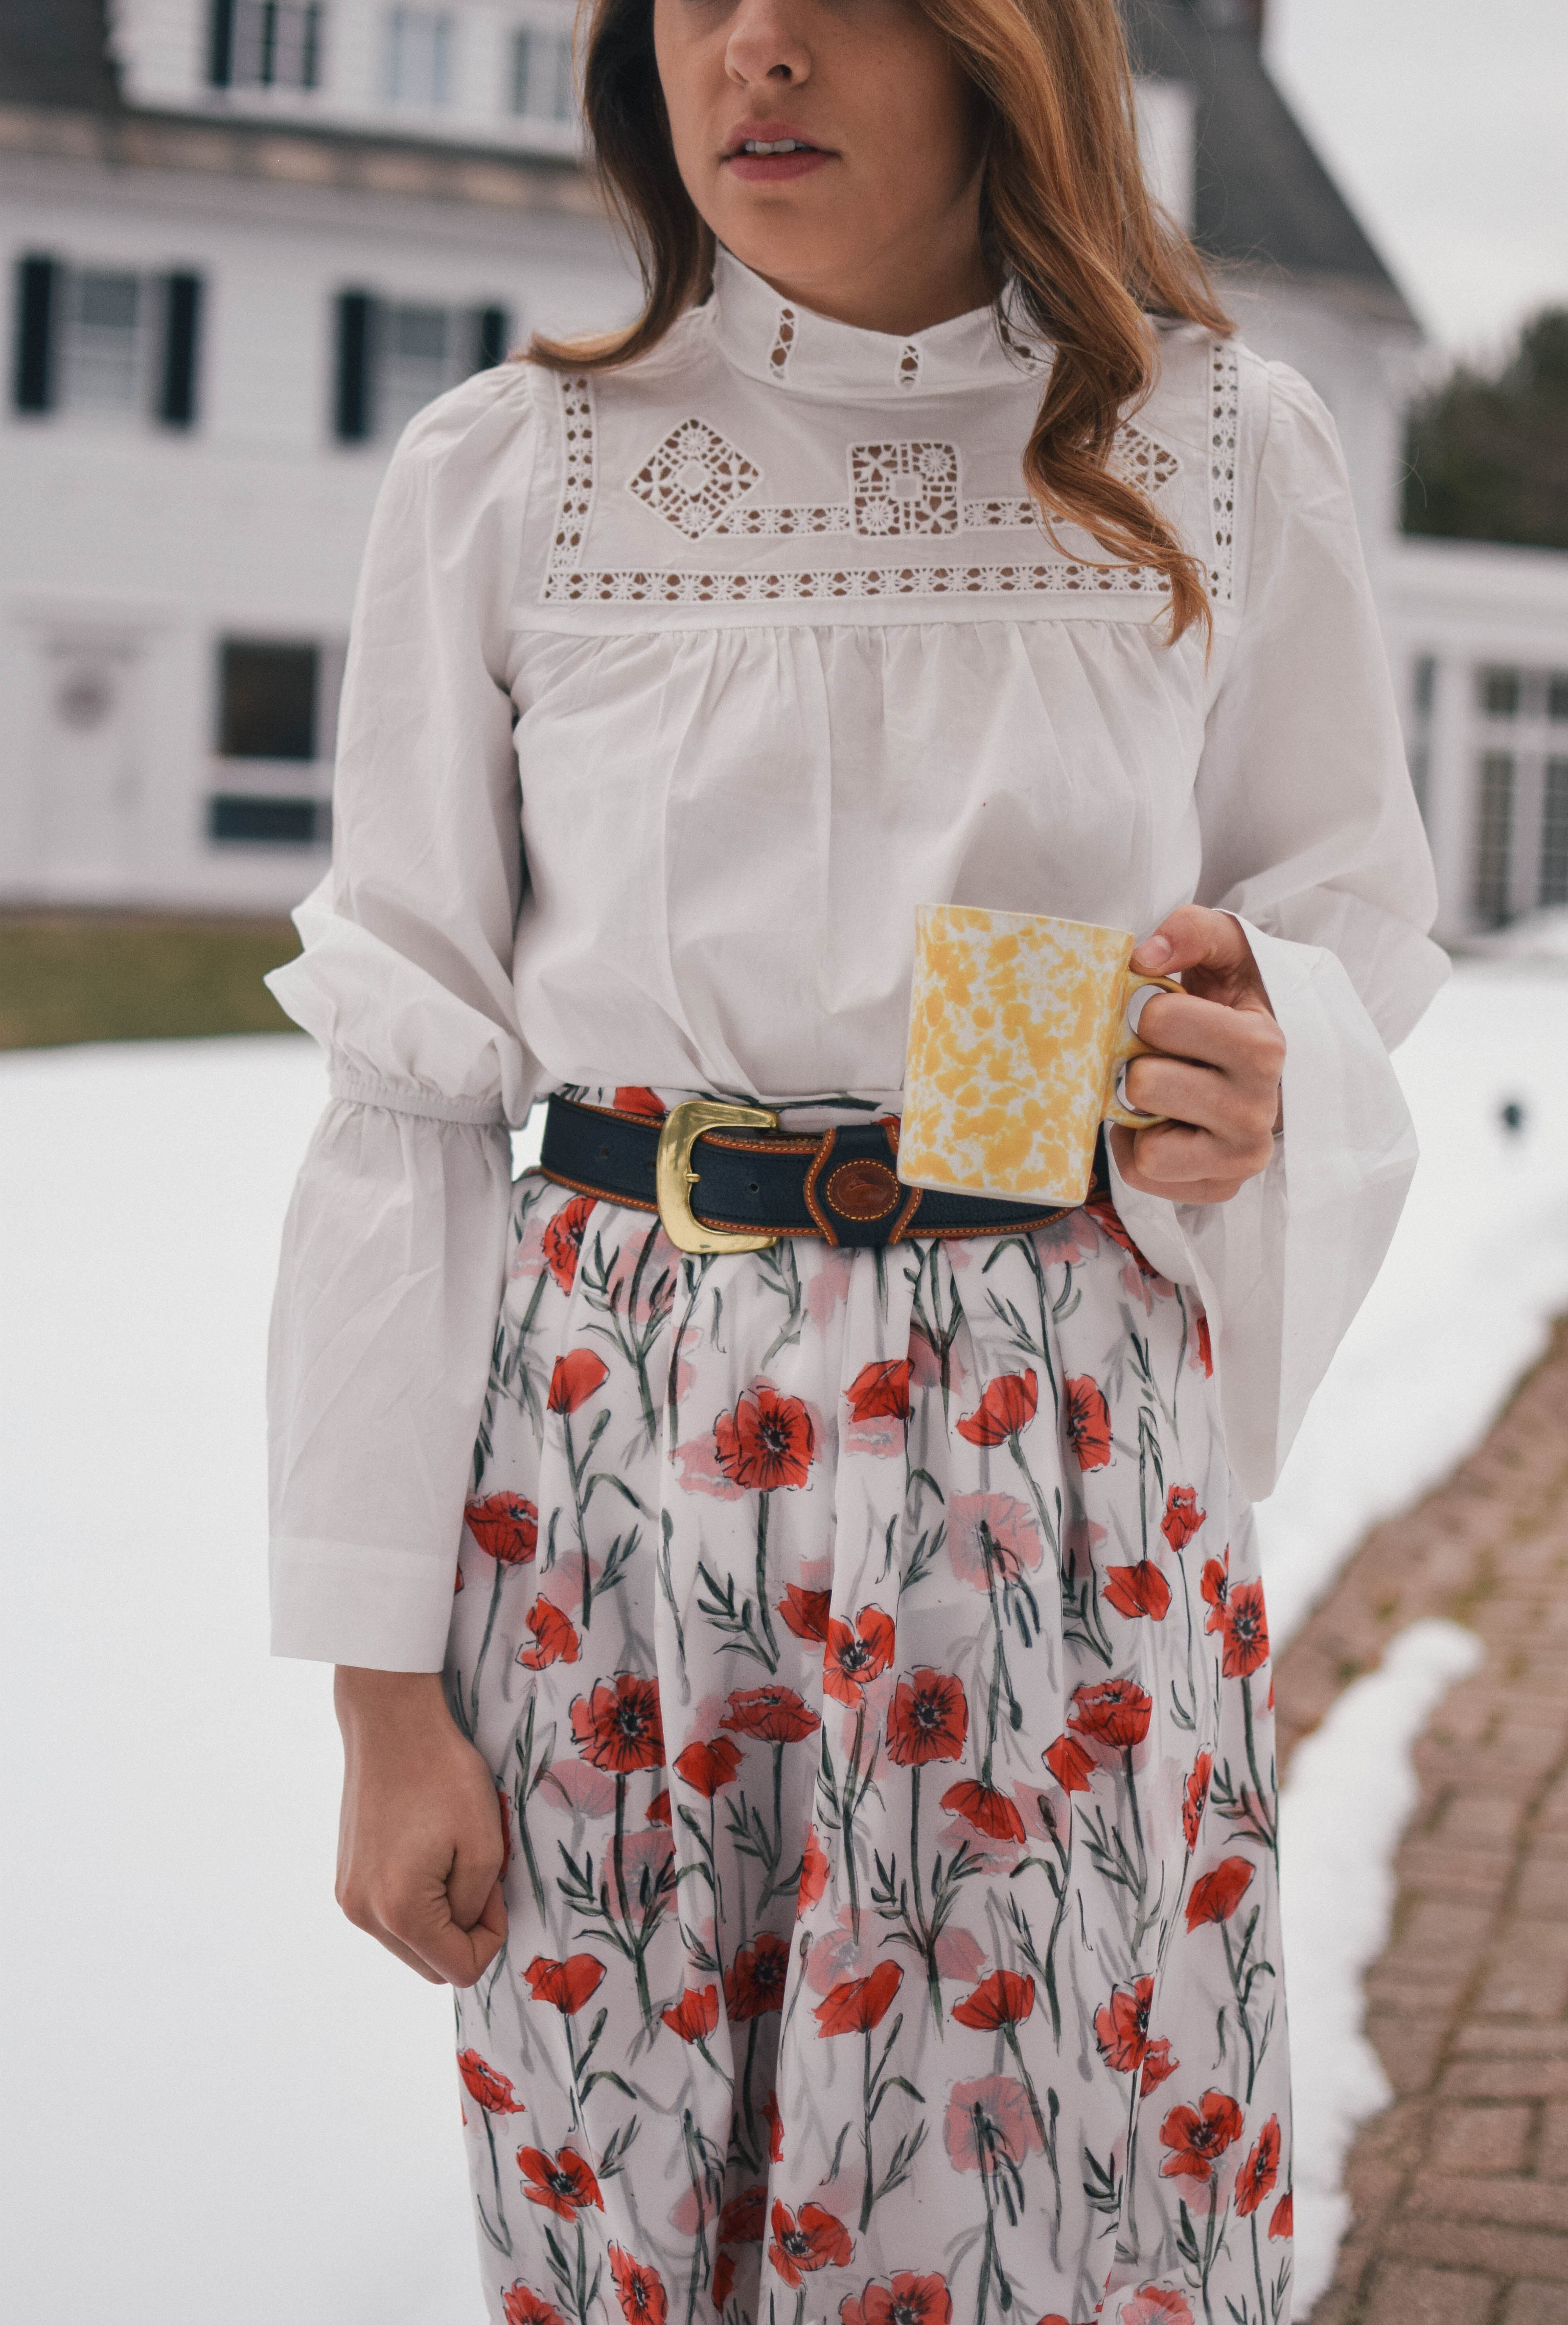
(870,1653)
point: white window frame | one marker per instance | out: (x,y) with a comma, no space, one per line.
(543,133)
(398,23)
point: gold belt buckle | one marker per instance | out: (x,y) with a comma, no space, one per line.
(673,1177)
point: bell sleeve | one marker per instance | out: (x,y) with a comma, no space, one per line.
(393,1244)
(1312,838)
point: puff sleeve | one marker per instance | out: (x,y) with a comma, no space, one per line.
(393,1247)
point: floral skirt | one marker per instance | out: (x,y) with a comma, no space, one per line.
(870,1653)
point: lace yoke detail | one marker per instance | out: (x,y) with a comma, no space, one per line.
(707,488)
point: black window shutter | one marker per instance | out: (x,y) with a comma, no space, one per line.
(353,416)
(33,380)
(220,43)
(492,331)
(181,324)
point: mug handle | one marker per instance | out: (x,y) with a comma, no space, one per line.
(1134,1047)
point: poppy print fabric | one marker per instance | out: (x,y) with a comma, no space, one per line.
(870,1653)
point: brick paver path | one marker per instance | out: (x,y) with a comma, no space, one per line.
(1460,2190)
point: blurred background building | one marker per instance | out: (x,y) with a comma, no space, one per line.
(244,240)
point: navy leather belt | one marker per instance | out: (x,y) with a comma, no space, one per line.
(743,1187)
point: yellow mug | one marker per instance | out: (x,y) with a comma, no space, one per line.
(1018,1034)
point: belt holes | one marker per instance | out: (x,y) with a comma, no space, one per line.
(752,1188)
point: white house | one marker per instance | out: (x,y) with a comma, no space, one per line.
(232,278)
(246,239)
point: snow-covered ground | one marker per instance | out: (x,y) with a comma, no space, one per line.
(219,2101)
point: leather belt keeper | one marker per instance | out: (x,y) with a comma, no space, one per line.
(840,1184)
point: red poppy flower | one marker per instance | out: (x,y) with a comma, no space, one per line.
(1140,1589)
(521,2307)
(504,1526)
(640,2290)
(1115,1713)
(1088,1422)
(991,1538)
(566,1983)
(989,1811)
(743,2219)
(856,2005)
(709,1767)
(562,1239)
(813,1873)
(1006,1404)
(493,2091)
(880,1391)
(905,2300)
(1216,1897)
(1121,2026)
(1195,1796)
(1245,1628)
(1070,1764)
(988,2123)
(562,2183)
(855,1656)
(805,1612)
(766,1442)
(1198,2136)
(723,2280)
(1108,1218)
(1205,1346)
(1004,1999)
(1283,2224)
(928,1720)
(803,2243)
(775,1715)
(1156,2304)
(634,1099)
(658,1811)
(1158,2067)
(774,2128)
(695,2015)
(754,1982)
(1255,2179)
(575,1378)
(1216,1588)
(554,1639)
(618,1727)
(1182,1516)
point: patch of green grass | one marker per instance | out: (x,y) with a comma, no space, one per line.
(100,976)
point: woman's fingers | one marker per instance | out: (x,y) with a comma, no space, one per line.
(1213,1065)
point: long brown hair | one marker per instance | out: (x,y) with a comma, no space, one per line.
(1064,213)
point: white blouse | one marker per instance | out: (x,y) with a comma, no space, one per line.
(669,695)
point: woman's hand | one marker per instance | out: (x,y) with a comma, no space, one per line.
(1217,1072)
(419,1844)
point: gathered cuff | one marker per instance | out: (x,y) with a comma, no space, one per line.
(345,1602)
(365,1089)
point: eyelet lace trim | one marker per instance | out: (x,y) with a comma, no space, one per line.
(1224,425)
(699,483)
(778,355)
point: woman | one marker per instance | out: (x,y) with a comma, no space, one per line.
(841,1791)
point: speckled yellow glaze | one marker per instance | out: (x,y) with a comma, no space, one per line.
(1017,1022)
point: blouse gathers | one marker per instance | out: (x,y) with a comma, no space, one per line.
(669,695)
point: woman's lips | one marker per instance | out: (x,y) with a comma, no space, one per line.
(770,168)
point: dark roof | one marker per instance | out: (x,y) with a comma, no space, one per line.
(1263,197)
(56,53)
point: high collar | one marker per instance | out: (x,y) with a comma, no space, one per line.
(777,340)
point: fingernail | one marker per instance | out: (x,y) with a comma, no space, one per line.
(1152,952)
